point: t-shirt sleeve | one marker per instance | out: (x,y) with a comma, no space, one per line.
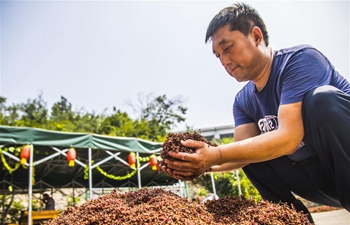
(304,71)
(240,117)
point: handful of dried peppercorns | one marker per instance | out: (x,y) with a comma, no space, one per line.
(173,143)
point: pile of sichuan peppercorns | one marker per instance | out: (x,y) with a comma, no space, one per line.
(158,206)
(173,143)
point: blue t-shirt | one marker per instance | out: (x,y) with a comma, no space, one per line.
(295,71)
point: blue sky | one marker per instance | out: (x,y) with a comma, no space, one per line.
(100,54)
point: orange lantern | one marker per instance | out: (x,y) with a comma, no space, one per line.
(153,161)
(71,156)
(132,160)
(25,154)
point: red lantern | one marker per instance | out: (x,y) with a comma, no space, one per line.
(132,160)
(71,156)
(153,161)
(25,154)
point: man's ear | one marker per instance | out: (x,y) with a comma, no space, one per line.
(257,35)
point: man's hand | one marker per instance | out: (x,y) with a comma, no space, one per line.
(189,165)
(170,173)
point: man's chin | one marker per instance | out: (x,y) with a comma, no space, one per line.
(239,79)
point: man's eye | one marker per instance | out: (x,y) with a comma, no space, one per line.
(228,48)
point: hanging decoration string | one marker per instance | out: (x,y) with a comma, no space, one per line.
(7,166)
(110,176)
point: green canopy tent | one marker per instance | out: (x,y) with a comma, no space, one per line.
(101,162)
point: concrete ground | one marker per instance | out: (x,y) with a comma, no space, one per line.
(336,217)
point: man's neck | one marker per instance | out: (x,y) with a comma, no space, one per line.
(263,77)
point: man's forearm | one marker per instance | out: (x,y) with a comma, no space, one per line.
(226,167)
(260,148)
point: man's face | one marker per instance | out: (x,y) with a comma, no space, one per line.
(239,54)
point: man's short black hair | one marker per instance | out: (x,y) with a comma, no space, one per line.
(241,17)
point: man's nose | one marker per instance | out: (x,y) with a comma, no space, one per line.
(225,61)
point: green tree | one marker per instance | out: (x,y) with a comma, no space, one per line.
(87,122)
(156,117)
(36,113)
(161,113)
(62,117)
(117,124)
(33,113)
(142,130)
(9,115)
(164,111)
(62,110)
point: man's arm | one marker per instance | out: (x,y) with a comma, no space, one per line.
(242,132)
(273,144)
(283,141)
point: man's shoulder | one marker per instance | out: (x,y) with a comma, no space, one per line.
(246,91)
(293,49)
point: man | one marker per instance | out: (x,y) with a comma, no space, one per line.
(292,118)
(49,202)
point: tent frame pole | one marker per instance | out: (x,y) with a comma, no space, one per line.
(30,184)
(138,170)
(238,183)
(213,184)
(90,174)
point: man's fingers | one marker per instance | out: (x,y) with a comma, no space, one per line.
(180,156)
(167,170)
(184,156)
(179,165)
(179,175)
(182,176)
(192,143)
